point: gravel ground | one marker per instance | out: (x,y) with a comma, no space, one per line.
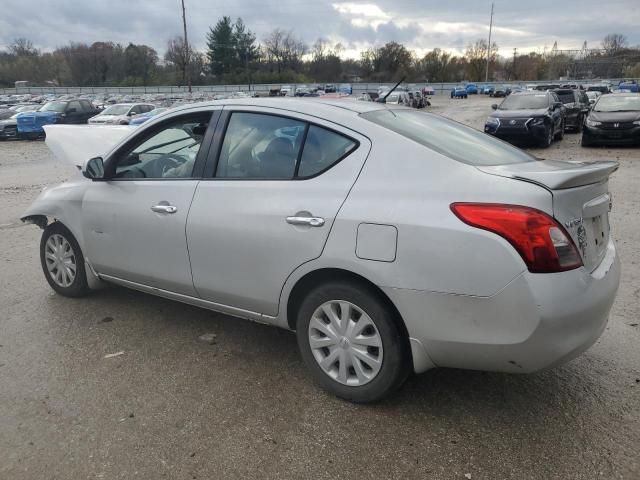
(240,405)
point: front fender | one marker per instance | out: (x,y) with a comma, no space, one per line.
(62,203)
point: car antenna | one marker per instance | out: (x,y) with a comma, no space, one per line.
(394,87)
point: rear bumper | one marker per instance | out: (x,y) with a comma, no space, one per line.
(537,321)
(629,136)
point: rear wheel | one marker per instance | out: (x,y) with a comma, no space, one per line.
(351,343)
(62,261)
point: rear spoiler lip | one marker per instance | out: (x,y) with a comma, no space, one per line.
(555,175)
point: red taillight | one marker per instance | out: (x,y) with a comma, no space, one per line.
(541,241)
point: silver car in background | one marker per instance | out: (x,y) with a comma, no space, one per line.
(391,240)
(120,113)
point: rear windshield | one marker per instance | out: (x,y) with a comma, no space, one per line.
(525,102)
(449,138)
(566,97)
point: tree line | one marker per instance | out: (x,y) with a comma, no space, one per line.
(234,55)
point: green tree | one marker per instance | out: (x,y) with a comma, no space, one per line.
(221,49)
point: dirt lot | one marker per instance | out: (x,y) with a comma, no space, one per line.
(173,406)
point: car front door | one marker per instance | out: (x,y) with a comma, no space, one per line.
(272,188)
(134,221)
(74,112)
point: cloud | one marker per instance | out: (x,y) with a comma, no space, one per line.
(419,24)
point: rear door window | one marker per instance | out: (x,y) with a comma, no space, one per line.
(323,149)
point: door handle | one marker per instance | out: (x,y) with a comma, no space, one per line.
(310,221)
(164,209)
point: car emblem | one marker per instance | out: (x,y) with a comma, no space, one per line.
(616,125)
(512,122)
(580,231)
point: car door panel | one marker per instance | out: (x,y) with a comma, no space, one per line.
(241,245)
(134,228)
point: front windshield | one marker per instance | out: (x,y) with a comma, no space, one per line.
(566,97)
(614,103)
(116,110)
(54,107)
(448,138)
(525,102)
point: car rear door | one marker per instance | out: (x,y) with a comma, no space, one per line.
(253,221)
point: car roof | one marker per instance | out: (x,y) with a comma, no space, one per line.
(525,93)
(308,105)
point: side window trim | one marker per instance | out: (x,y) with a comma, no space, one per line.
(200,158)
(213,155)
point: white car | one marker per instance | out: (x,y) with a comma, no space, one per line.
(391,240)
(120,113)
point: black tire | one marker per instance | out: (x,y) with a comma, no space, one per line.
(560,135)
(396,360)
(579,124)
(585,142)
(548,140)
(79,286)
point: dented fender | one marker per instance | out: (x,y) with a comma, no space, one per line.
(62,203)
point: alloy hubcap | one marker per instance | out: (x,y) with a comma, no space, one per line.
(345,342)
(60,260)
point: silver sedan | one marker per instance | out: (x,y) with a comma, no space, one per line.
(390,240)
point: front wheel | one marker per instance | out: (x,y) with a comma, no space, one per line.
(62,261)
(351,342)
(560,135)
(548,138)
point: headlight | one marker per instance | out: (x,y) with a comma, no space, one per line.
(537,121)
(492,121)
(592,123)
(637,122)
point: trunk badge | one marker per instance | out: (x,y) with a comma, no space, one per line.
(616,125)
(581,233)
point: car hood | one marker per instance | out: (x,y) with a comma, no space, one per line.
(614,116)
(48,114)
(78,143)
(8,121)
(520,113)
(107,118)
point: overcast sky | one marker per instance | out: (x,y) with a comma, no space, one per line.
(419,24)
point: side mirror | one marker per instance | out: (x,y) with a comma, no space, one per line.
(70,110)
(494,106)
(131,114)
(94,169)
(557,105)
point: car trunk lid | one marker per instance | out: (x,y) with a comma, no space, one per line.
(581,199)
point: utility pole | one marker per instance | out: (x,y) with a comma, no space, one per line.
(515,53)
(187,53)
(486,74)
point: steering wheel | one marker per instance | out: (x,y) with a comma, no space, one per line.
(166,163)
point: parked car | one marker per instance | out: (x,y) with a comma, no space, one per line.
(330,88)
(488,89)
(287,90)
(345,88)
(471,88)
(302,90)
(9,127)
(631,87)
(537,117)
(613,120)
(58,111)
(462,251)
(592,96)
(143,117)
(603,89)
(397,97)
(576,104)
(427,90)
(459,92)
(120,113)
(498,91)
(6,113)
